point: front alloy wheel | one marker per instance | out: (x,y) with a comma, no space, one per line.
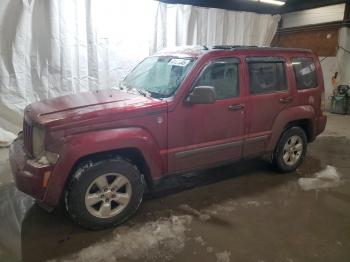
(104,194)
(108,195)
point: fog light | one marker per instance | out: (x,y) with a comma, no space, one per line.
(48,158)
(52,157)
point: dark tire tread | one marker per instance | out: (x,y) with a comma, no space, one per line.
(278,154)
(81,179)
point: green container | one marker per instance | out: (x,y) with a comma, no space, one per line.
(340,105)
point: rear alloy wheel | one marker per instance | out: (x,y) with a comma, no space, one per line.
(104,194)
(290,150)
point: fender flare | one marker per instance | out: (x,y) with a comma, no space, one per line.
(286,116)
(81,145)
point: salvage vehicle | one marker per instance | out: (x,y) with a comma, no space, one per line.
(177,111)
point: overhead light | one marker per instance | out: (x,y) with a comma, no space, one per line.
(272,2)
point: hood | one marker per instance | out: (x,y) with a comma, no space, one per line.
(88,105)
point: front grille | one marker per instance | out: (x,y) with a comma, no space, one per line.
(28,137)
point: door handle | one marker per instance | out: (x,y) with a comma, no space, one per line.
(235,107)
(285,100)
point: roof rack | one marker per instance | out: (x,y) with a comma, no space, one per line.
(232,46)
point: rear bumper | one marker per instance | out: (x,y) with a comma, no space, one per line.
(29,176)
(321,124)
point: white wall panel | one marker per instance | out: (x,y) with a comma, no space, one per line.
(343,57)
(329,67)
(313,16)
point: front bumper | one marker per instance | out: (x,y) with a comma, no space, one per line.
(30,176)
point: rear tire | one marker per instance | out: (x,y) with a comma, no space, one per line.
(104,194)
(290,150)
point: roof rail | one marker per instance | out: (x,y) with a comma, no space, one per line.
(232,46)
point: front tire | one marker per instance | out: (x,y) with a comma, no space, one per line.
(290,150)
(104,194)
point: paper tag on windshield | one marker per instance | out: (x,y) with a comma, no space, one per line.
(178,62)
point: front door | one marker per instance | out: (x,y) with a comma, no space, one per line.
(204,134)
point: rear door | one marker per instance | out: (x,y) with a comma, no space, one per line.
(269,94)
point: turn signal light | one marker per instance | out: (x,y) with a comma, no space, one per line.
(46,177)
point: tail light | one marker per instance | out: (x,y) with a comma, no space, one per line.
(323,103)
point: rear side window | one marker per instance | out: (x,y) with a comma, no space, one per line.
(266,76)
(305,72)
(221,74)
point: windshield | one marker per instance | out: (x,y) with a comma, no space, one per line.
(158,76)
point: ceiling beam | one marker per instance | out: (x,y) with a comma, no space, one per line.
(253,6)
(236,5)
(299,5)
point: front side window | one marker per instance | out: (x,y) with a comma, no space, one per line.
(305,72)
(223,76)
(266,77)
(158,76)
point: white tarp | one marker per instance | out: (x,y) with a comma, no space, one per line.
(55,47)
(189,25)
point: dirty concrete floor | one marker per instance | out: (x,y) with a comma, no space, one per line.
(242,212)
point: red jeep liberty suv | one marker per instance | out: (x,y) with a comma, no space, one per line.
(176,111)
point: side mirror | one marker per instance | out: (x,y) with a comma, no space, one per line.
(202,95)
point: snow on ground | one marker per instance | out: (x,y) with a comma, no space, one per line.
(200,241)
(6,137)
(223,256)
(227,206)
(210,249)
(157,240)
(164,238)
(161,240)
(327,178)
(231,205)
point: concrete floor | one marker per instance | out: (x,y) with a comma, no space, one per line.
(244,212)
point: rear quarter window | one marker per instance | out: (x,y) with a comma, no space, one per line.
(305,72)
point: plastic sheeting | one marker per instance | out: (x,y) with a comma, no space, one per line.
(6,137)
(58,47)
(189,25)
(14,206)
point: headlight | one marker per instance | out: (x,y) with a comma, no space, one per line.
(42,156)
(38,142)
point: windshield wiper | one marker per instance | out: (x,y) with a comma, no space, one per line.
(139,91)
(143,92)
(134,90)
(157,95)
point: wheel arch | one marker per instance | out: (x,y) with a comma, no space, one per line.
(134,143)
(305,124)
(133,155)
(301,116)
